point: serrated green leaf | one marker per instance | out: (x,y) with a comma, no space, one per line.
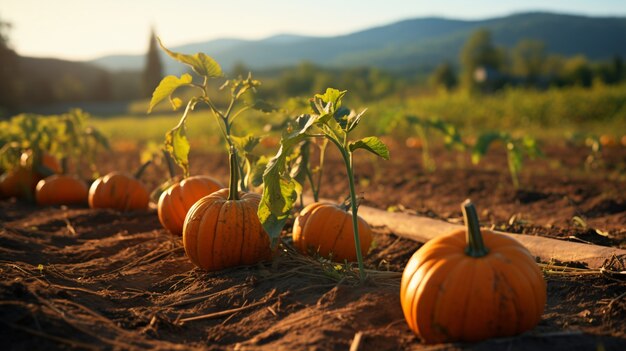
(371,144)
(201,63)
(166,87)
(177,144)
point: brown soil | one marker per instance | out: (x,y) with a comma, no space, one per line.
(75,278)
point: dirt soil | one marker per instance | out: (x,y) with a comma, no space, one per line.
(76,278)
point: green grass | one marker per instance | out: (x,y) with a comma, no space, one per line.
(202,127)
(545,114)
(550,114)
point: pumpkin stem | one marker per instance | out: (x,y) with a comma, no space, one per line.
(170,163)
(234,175)
(65,165)
(141,169)
(475,245)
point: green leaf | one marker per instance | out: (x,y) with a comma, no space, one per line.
(245,144)
(354,120)
(202,64)
(333,97)
(482,145)
(264,106)
(371,144)
(280,191)
(300,167)
(177,144)
(256,179)
(166,87)
(176,103)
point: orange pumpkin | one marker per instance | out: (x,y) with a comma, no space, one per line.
(221,232)
(458,287)
(118,191)
(51,162)
(21,181)
(61,190)
(328,230)
(175,202)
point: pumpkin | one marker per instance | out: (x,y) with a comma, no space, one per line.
(175,202)
(61,190)
(470,286)
(221,231)
(328,230)
(21,181)
(118,191)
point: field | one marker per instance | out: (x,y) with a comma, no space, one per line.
(105,279)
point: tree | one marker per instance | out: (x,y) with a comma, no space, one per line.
(444,76)
(529,58)
(9,65)
(153,71)
(479,52)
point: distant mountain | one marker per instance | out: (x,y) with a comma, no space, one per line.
(407,44)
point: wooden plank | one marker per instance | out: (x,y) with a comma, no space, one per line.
(422,229)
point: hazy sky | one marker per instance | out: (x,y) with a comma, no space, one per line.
(85,29)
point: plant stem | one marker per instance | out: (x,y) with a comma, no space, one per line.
(233,194)
(355,219)
(170,164)
(475,245)
(141,169)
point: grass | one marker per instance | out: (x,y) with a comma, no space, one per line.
(550,114)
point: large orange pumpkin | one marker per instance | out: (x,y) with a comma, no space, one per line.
(221,232)
(328,230)
(458,287)
(118,191)
(61,190)
(175,202)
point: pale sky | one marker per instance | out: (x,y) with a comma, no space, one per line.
(86,29)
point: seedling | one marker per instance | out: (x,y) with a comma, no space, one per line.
(176,142)
(280,189)
(517,149)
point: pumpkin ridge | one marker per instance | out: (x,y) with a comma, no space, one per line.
(340,231)
(207,215)
(326,227)
(441,305)
(470,290)
(240,206)
(190,234)
(433,274)
(515,283)
(218,237)
(527,272)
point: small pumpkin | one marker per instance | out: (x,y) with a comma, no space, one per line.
(328,230)
(223,230)
(458,287)
(118,191)
(21,181)
(175,202)
(60,189)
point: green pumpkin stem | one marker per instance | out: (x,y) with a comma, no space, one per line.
(475,245)
(170,163)
(141,169)
(234,175)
